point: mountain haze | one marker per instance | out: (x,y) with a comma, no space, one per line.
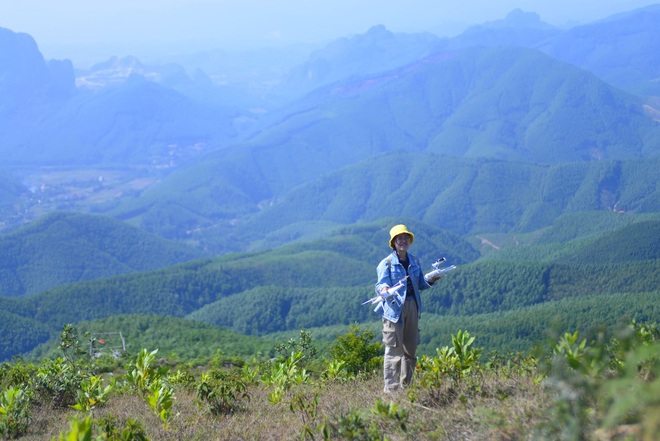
(26,77)
(256,192)
(622,50)
(517,29)
(47,121)
(375,51)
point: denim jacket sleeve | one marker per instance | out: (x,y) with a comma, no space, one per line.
(389,272)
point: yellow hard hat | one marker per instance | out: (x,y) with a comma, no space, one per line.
(400,229)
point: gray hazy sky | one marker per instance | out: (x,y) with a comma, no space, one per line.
(71,28)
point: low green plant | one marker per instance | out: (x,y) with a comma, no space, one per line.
(336,371)
(571,349)
(628,339)
(132,432)
(57,382)
(220,392)
(182,378)
(16,373)
(14,412)
(604,383)
(79,430)
(453,362)
(308,408)
(72,349)
(634,396)
(144,373)
(250,372)
(391,412)
(92,393)
(575,371)
(304,345)
(514,364)
(468,357)
(150,381)
(106,430)
(160,398)
(357,350)
(283,374)
(352,426)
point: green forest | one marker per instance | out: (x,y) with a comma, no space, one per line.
(513,300)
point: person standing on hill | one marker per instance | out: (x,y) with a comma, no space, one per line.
(400,281)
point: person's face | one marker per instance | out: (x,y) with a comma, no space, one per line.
(402,242)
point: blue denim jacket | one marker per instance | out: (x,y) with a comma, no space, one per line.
(390,272)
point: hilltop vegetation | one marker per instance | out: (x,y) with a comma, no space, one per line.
(455,393)
(465,196)
(63,248)
(13,197)
(321,284)
(176,338)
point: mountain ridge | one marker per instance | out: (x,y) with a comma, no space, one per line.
(62,248)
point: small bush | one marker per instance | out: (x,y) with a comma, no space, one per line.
(357,351)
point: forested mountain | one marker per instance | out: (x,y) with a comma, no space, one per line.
(623,49)
(13,196)
(375,51)
(323,283)
(187,112)
(467,196)
(504,103)
(463,196)
(615,247)
(524,154)
(70,247)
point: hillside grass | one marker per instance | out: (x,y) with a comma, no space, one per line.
(571,389)
(482,417)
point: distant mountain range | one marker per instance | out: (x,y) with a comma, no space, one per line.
(527,154)
(47,121)
(149,111)
(488,93)
(622,50)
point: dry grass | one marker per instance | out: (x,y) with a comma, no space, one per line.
(493,409)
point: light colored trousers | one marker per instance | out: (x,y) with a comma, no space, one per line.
(401,340)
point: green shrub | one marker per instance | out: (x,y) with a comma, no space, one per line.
(144,373)
(57,382)
(283,374)
(604,383)
(92,393)
(161,399)
(14,412)
(357,350)
(16,374)
(220,392)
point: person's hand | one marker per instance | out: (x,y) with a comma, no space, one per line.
(434,278)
